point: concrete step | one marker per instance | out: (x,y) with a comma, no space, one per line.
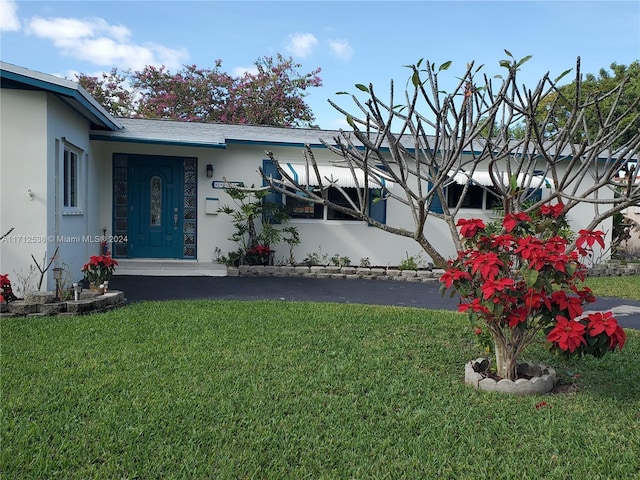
(169,268)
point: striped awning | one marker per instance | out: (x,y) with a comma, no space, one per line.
(484,179)
(330,175)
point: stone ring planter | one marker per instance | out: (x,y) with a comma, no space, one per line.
(542,380)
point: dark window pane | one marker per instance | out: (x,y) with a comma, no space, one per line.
(298,207)
(338,198)
(473,198)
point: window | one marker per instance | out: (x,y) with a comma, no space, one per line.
(476,197)
(335,196)
(299,207)
(71,179)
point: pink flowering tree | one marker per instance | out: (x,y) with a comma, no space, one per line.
(272,93)
(520,278)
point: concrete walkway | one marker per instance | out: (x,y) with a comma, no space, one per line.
(371,292)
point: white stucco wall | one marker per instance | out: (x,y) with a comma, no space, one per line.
(72,233)
(240,162)
(23,159)
(35,127)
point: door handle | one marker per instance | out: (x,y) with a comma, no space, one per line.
(175,219)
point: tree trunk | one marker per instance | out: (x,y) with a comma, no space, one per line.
(506,366)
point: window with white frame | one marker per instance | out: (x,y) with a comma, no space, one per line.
(299,207)
(71,179)
(479,197)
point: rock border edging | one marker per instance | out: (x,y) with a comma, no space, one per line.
(611,269)
(43,304)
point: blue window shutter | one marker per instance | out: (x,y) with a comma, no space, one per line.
(377,210)
(535,194)
(270,170)
(436,205)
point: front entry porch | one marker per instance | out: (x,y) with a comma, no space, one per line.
(151,267)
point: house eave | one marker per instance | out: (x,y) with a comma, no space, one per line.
(154,141)
(67,91)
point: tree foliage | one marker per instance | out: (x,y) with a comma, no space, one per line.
(273,95)
(429,139)
(560,103)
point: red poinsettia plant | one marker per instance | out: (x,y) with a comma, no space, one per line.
(259,254)
(99,269)
(6,291)
(524,276)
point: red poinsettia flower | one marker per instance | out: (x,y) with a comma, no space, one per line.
(573,305)
(487,264)
(511,220)
(568,334)
(534,299)
(4,280)
(552,210)
(469,228)
(529,247)
(605,322)
(491,286)
(617,338)
(475,305)
(590,237)
(517,316)
(452,275)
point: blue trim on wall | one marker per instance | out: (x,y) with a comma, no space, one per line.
(272,143)
(146,141)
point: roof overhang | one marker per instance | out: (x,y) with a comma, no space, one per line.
(154,141)
(68,92)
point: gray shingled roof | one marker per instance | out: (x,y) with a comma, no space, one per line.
(215,135)
(218,135)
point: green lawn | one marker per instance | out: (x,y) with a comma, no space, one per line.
(625,287)
(282,390)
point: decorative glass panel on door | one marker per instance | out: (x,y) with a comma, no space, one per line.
(156,201)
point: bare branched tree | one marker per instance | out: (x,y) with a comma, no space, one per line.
(433,139)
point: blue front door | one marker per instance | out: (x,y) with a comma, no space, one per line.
(156,199)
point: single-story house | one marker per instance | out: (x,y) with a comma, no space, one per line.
(71,175)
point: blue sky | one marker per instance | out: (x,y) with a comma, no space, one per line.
(351,41)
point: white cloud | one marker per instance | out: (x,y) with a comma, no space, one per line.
(301,44)
(341,49)
(9,21)
(240,71)
(96,41)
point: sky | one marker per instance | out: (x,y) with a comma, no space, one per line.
(350,41)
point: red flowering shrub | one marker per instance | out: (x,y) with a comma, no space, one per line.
(525,279)
(99,269)
(258,255)
(6,291)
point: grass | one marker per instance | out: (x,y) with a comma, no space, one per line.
(227,389)
(623,287)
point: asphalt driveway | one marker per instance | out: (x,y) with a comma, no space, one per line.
(370,292)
